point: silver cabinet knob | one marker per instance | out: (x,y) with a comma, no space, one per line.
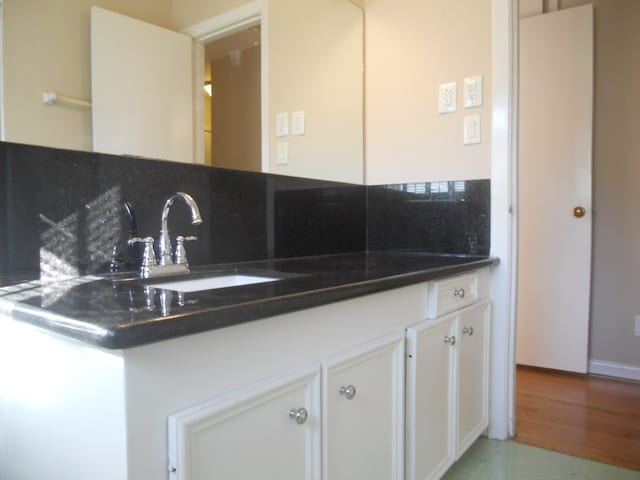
(299,415)
(458,292)
(349,391)
(467,331)
(450,340)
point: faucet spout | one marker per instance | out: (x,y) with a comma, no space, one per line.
(196,219)
(164,240)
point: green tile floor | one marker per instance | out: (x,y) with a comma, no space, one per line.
(494,460)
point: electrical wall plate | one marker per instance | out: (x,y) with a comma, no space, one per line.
(297,120)
(471,129)
(283,153)
(282,124)
(472,91)
(447,97)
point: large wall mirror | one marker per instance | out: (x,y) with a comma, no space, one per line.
(301,116)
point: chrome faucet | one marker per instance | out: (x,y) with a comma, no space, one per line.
(164,242)
(166,263)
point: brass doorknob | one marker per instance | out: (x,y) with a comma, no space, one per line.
(579,212)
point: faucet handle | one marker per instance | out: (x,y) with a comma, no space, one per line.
(181,253)
(149,256)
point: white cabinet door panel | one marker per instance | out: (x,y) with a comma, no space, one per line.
(363,426)
(430,443)
(473,374)
(250,433)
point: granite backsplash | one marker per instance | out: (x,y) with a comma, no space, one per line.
(71,213)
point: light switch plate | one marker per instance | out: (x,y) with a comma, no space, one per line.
(471,129)
(282,124)
(472,91)
(297,123)
(283,153)
(447,97)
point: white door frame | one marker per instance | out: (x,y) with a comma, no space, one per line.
(241,18)
(504,146)
(2,134)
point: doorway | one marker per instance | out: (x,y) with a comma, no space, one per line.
(613,347)
(232,101)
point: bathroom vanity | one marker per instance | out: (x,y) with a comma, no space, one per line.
(359,365)
(360,351)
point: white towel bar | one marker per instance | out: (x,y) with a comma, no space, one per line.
(51,98)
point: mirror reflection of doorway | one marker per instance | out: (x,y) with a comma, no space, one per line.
(232,109)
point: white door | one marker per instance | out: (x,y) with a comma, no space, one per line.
(554,246)
(363,412)
(141,88)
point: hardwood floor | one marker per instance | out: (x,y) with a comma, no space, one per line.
(587,416)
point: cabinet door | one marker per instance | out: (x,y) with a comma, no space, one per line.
(431,367)
(268,430)
(473,371)
(363,412)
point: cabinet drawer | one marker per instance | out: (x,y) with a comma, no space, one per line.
(451,293)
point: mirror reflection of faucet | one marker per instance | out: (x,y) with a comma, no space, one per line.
(167,263)
(123,259)
(164,298)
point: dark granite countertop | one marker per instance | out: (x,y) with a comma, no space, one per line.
(120,311)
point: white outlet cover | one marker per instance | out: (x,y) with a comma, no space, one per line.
(447,97)
(472,91)
(637,329)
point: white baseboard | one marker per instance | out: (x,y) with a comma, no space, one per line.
(611,369)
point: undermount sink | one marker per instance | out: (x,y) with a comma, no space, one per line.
(212,283)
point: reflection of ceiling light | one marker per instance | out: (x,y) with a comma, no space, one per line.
(208,88)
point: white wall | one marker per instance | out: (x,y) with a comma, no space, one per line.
(185,13)
(315,66)
(46,48)
(412,46)
(616,194)
(236,116)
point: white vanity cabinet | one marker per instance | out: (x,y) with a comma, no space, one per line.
(363,412)
(259,399)
(267,430)
(447,376)
(272,429)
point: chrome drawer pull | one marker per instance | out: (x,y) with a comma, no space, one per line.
(349,391)
(458,292)
(450,340)
(299,415)
(467,330)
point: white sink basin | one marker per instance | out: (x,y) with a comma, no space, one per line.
(212,283)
